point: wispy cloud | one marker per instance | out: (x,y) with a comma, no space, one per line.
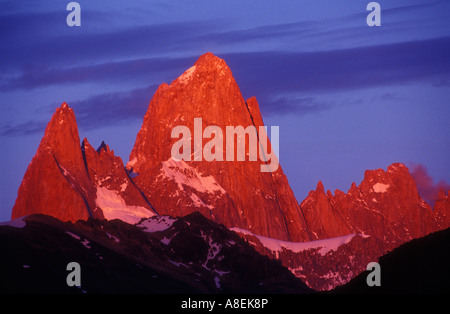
(26,128)
(272,76)
(344,69)
(284,82)
(274,72)
(293,105)
(98,47)
(94,112)
(138,70)
(112,108)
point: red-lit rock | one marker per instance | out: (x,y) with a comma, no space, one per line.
(56,182)
(116,194)
(386,204)
(70,182)
(441,210)
(235,193)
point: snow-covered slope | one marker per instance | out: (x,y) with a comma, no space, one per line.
(322,246)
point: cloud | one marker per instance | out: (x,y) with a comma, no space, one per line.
(26,128)
(62,49)
(112,108)
(40,53)
(132,56)
(273,77)
(262,35)
(292,105)
(343,69)
(98,111)
(428,189)
(271,73)
(137,70)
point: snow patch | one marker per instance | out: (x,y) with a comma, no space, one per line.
(323,246)
(132,162)
(198,202)
(213,251)
(380,187)
(297,269)
(123,187)
(157,223)
(183,174)
(114,207)
(217,282)
(73,235)
(178,264)
(187,75)
(86,243)
(16,223)
(166,241)
(117,240)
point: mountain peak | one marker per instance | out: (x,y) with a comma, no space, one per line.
(85,143)
(210,66)
(393,170)
(64,105)
(396,167)
(61,135)
(104,147)
(320,188)
(206,69)
(64,114)
(208,90)
(210,60)
(56,182)
(64,109)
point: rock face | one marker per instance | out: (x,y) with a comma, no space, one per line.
(116,193)
(385,210)
(72,182)
(441,210)
(235,193)
(56,182)
(385,205)
(362,225)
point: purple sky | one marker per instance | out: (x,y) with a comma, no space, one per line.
(347,97)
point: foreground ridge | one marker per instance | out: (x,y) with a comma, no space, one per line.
(158,255)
